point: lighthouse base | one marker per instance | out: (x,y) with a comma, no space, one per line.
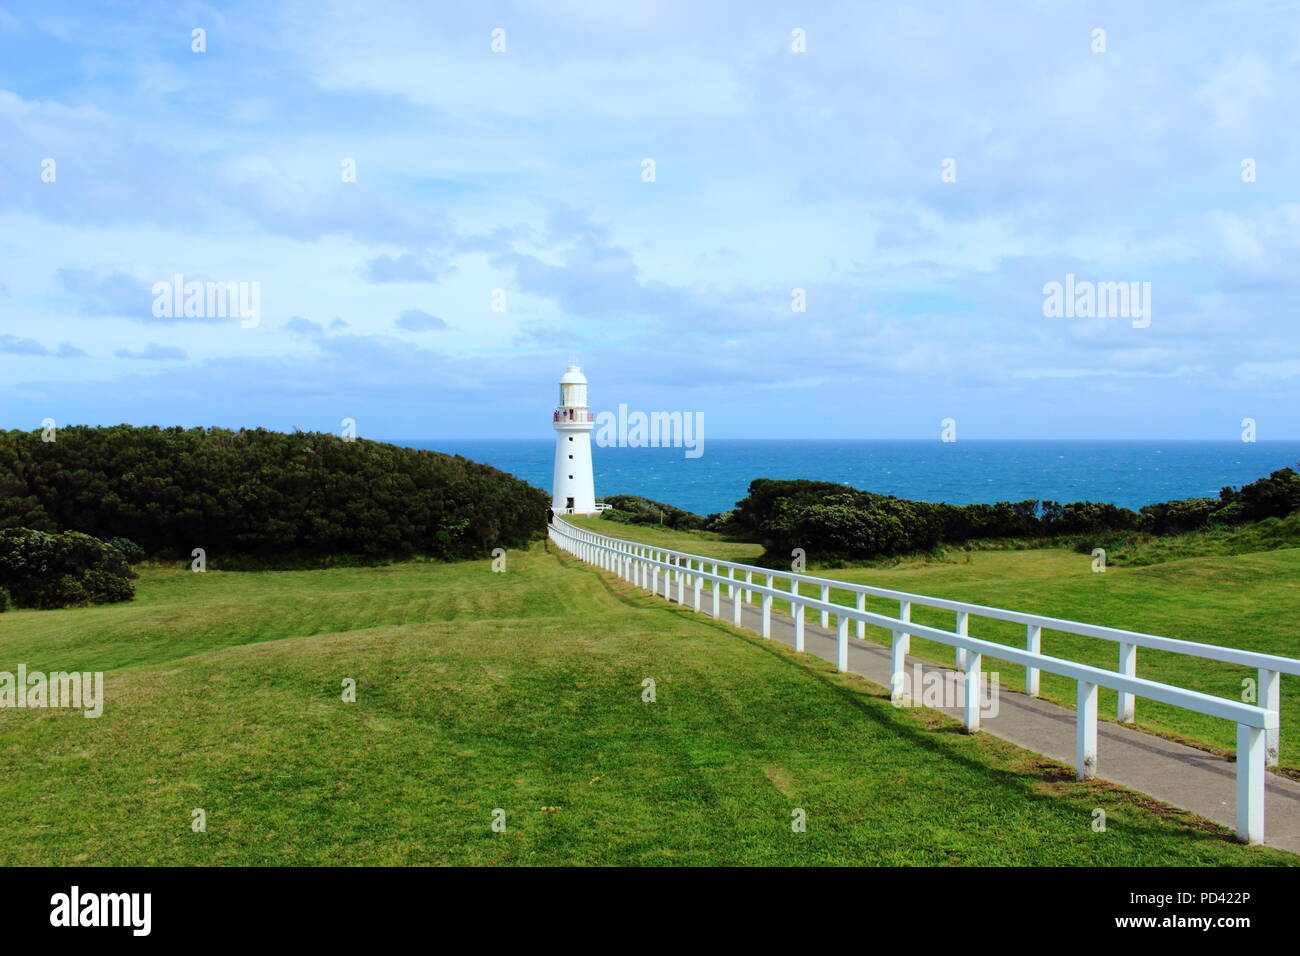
(572,490)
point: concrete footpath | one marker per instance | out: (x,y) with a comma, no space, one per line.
(1171,772)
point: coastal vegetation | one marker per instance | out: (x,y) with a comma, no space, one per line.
(634,509)
(39,569)
(258,498)
(834,523)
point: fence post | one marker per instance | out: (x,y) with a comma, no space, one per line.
(736,607)
(731,586)
(972,691)
(841,643)
(798,626)
(826,596)
(767,609)
(898,642)
(1128,665)
(1270,698)
(1034,645)
(698,580)
(963,628)
(654,576)
(1251,746)
(681,584)
(1085,732)
(905,614)
(862,606)
(717,592)
(749,594)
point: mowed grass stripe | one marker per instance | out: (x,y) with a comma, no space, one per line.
(245,608)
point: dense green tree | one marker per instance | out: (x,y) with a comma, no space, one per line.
(263,494)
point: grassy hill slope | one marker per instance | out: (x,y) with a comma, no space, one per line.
(520,691)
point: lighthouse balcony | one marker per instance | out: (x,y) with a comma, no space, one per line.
(573,415)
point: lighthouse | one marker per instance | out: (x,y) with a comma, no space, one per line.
(573,490)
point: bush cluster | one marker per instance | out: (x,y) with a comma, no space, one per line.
(261,494)
(41,569)
(633,509)
(840,522)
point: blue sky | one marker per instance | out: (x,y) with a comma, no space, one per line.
(775,170)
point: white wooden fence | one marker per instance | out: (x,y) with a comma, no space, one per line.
(1258,739)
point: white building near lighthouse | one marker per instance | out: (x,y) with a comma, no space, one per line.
(573,489)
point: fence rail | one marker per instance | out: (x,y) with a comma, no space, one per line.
(1258,739)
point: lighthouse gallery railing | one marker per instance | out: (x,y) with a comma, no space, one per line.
(1258,734)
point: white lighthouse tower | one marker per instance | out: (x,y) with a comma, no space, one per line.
(573,490)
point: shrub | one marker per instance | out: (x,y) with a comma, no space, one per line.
(133,553)
(835,528)
(1276,496)
(1179,517)
(40,569)
(633,509)
(1086,517)
(723,522)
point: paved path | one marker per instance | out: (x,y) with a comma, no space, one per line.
(1171,772)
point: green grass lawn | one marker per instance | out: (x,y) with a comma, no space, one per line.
(1238,600)
(519,691)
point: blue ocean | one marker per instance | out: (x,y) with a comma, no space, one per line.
(1126,473)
